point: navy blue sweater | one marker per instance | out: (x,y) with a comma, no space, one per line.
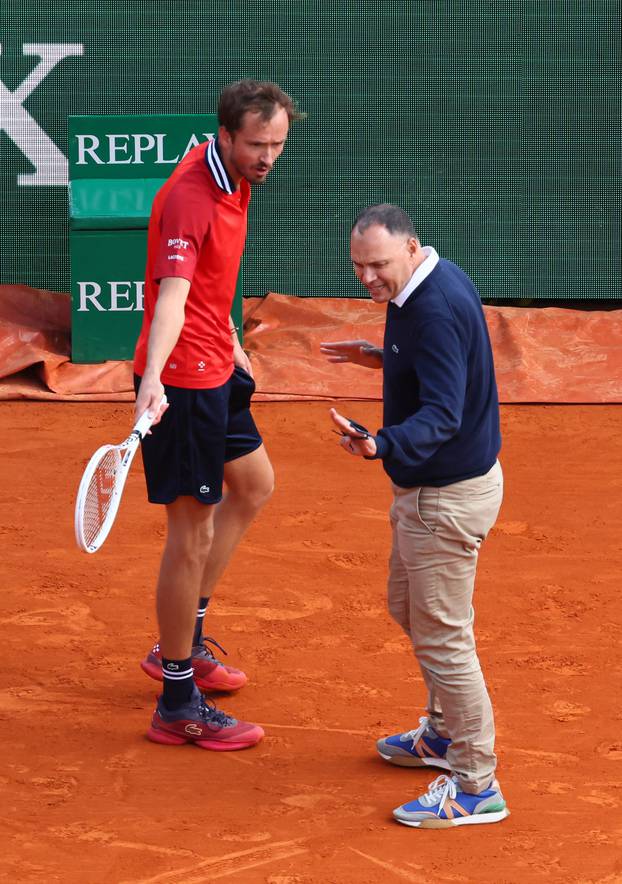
(441,409)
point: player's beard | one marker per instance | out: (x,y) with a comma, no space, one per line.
(258,176)
(252,173)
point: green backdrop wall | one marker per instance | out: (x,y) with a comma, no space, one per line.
(498,126)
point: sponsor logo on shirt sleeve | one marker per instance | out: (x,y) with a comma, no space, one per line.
(178,243)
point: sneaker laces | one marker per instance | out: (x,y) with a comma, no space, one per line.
(211,715)
(207,652)
(439,790)
(416,733)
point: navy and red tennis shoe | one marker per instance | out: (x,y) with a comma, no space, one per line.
(198,721)
(201,723)
(209,673)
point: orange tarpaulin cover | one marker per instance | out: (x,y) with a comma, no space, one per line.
(541,354)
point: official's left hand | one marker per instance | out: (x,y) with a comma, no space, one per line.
(351,440)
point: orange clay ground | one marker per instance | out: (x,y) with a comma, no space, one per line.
(86,798)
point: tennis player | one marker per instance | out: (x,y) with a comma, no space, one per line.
(439,446)
(188,348)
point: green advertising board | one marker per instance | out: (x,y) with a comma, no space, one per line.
(497,126)
(116,166)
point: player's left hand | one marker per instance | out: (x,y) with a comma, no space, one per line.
(241,359)
(353,442)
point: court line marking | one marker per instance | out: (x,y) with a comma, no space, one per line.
(232,757)
(396,870)
(101,839)
(212,876)
(255,856)
(536,753)
(323,730)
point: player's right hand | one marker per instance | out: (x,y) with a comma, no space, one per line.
(360,352)
(149,398)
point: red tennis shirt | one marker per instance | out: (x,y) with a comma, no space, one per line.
(197,231)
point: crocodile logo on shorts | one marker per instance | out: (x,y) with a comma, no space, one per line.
(204,489)
(193,729)
(395,348)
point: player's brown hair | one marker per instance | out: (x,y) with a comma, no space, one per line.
(258,96)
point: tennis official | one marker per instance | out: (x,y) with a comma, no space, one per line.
(439,446)
(188,348)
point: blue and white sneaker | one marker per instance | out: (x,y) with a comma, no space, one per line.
(445,805)
(420,747)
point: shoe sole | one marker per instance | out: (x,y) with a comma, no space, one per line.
(165,739)
(475,820)
(410,761)
(203,684)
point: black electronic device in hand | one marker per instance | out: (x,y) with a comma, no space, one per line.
(363,431)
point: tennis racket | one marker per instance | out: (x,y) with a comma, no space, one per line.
(99,494)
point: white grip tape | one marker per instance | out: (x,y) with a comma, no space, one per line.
(146,419)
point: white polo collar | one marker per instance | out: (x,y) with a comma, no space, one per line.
(424,269)
(217,167)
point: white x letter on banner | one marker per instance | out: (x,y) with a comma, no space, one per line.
(49,162)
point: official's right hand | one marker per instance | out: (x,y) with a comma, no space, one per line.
(351,439)
(360,352)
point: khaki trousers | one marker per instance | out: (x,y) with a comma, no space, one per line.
(437,533)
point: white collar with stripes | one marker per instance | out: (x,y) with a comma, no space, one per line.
(423,270)
(217,167)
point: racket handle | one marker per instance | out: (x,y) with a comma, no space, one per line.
(145,420)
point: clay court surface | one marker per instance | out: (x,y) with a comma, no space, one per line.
(86,798)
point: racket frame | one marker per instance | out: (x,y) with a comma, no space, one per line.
(126,449)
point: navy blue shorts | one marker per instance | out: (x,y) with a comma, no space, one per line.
(200,431)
